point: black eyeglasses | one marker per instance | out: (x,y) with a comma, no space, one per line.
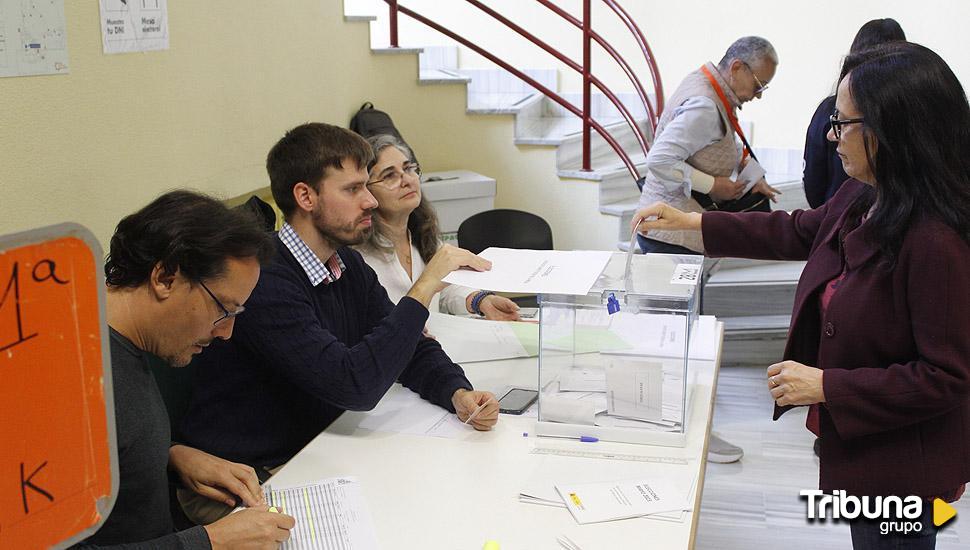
(761,85)
(837,123)
(393,180)
(226,314)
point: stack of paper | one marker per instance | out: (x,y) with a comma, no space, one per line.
(603,487)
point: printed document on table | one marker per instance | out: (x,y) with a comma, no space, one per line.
(331,514)
(467,340)
(535,271)
(607,501)
(403,411)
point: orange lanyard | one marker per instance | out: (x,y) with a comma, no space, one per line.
(730,111)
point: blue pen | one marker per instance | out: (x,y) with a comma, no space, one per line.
(581,438)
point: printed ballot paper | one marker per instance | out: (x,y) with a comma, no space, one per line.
(535,271)
(607,501)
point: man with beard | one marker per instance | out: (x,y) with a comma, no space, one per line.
(320,335)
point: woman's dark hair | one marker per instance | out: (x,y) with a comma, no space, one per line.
(875,33)
(186,232)
(916,114)
(422,222)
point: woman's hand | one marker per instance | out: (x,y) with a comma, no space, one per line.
(499,308)
(663,216)
(792,383)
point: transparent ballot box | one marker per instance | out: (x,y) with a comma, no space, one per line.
(613,364)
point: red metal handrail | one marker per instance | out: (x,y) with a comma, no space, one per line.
(638,87)
(589,79)
(644,47)
(530,81)
(624,111)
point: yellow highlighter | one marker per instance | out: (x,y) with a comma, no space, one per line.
(491,545)
(273,509)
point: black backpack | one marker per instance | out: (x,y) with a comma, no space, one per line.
(372,122)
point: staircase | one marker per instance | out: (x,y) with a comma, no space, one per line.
(753,298)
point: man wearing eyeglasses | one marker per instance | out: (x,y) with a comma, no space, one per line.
(699,146)
(320,335)
(178,273)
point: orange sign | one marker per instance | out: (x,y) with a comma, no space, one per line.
(58,469)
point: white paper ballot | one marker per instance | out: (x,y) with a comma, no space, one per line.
(607,501)
(535,271)
(752,174)
(634,388)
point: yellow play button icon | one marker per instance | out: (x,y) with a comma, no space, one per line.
(942,512)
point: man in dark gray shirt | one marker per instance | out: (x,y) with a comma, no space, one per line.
(178,273)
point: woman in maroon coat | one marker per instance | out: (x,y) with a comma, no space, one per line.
(879,346)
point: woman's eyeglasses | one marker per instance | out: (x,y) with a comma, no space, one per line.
(393,180)
(838,123)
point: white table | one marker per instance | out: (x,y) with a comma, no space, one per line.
(437,493)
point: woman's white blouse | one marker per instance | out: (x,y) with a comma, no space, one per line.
(397,283)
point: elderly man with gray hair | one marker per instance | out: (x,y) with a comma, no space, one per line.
(698,151)
(699,144)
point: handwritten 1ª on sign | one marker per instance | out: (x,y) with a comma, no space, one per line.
(58,472)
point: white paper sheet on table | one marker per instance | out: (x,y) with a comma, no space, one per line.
(622,499)
(404,412)
(540,486)
(535,271)
(331,514)
(467,340)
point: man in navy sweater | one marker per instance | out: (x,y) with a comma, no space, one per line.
(320,335)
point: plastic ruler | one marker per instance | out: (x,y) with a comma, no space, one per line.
(608,455)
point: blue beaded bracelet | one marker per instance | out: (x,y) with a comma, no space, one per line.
(477,301)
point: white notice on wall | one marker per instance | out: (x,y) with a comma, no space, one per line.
(134,25)
(33,40)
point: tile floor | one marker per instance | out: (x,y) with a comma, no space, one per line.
(754,504)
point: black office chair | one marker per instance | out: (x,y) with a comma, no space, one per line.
(506,228)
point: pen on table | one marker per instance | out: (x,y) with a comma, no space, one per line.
(581,438)
(477,410)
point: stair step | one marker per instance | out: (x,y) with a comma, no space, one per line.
(441,76)
(360,17)
(395,51)
(758,290)
(624,208)
(552,130)
(496,103)
(748,326)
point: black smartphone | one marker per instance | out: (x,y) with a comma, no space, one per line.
(517,400)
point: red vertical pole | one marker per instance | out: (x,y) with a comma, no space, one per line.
(392,8)
(587,116)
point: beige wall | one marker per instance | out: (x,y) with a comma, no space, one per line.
(811,39)
(102,141)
